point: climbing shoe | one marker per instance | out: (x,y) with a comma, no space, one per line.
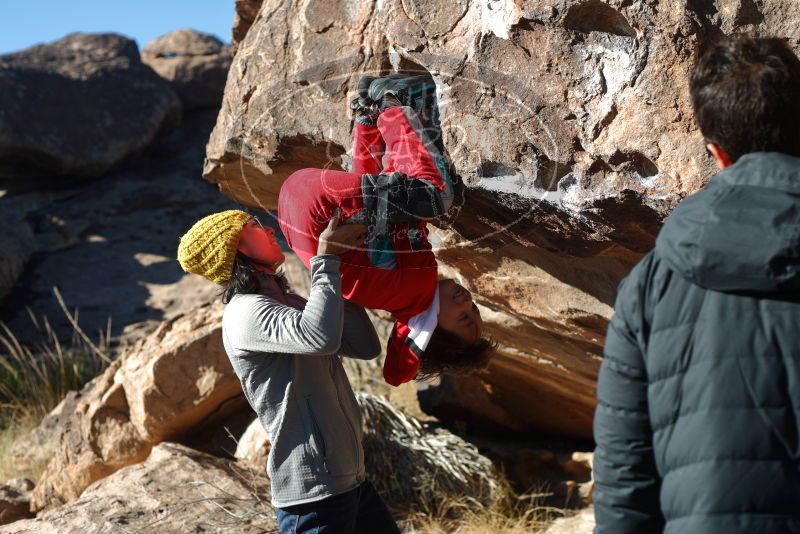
(365,114)
(414,91)
(364,109)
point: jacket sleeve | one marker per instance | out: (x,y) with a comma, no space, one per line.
(262,324)
(626,494)
(359,338)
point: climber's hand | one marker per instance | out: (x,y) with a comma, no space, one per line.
(336,239)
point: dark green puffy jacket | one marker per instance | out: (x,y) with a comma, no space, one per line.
(699,390)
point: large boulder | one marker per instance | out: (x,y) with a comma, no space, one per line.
(569,121)
(79,105)
(176,490)
(176,380)
(195,64)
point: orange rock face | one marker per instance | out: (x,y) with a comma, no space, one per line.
(569,121)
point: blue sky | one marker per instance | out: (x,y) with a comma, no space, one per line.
(25,23)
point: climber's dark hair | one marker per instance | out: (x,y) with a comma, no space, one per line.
(746,95)
(448,353)
(245,279)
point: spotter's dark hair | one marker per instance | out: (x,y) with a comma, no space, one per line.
(745,93)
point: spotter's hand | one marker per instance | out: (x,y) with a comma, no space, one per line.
(336,239)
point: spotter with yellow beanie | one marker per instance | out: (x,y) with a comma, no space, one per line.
(285,351)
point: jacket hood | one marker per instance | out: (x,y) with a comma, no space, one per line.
(742,231)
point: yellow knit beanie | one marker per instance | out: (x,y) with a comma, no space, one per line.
(209,247)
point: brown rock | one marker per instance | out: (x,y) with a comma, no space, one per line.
(569,121)
(176,489)
(177,379)
(196,65)
(79,105)
(17,244)
(253,447)
(29,231)
(415,465)
(580,523)
(246,12)
(15,498)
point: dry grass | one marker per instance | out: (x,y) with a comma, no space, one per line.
(462,517)
(8,434)
(35,378)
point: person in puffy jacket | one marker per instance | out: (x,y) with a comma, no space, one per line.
(698,417)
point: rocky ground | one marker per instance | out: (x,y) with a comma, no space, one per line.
(174,487)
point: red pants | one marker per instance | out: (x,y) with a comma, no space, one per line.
(309,196)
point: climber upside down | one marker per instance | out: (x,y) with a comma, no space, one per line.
(399,180)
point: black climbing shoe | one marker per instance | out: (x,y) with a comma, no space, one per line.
(363,108)
(414,91)
(363,88)
(365,114)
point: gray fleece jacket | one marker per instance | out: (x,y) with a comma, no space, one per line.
(284,351)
